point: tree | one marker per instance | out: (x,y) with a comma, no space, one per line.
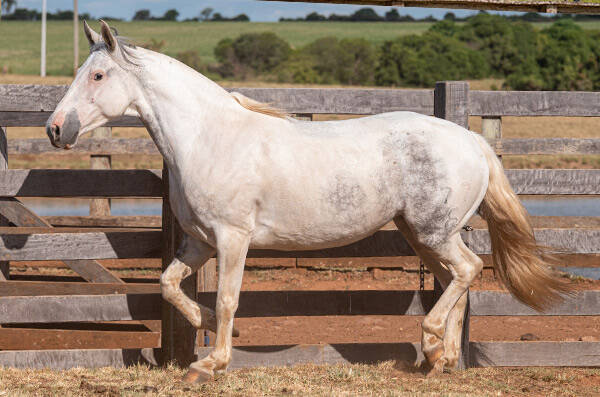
(450,16)
(206,13)
(240,18)
(315,17)
(217,17)
(142,15)
(251,53)
(366,14)
(171,15)
(392,15)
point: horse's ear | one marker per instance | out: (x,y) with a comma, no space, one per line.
(92,36)
(107,36)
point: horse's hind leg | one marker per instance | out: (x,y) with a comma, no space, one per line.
(454,324)
(190,256)
(464,266)
(442,328)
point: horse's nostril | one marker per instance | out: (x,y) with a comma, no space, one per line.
(56,131)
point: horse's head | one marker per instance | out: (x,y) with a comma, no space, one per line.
(102,90)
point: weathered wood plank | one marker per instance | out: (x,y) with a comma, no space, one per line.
(327,303)
(544,181)
(81,183)
(75,246)
(534,354)
(343,100)
(520,146)
(19,215)
(86,358)
(573,241)
(39,119)
(130,221)
(35,288)
(4,265)
(533,103)
(96,146)
(483,354)
(51,339)
(51,309)
(100,207)
(451,100)
(289,355)
(19,245)
(544,146)
(19,98)
(57,309)
(497,303)
(30,97)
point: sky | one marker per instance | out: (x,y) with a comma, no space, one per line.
(258,11)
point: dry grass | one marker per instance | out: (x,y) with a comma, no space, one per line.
(384,379)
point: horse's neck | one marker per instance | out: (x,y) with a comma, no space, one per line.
(182,110)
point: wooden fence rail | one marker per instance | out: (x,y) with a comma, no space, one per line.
(147,306)
(25,244)
(110,146)
(27,302)
(148,183)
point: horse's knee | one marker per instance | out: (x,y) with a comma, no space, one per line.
(226,307)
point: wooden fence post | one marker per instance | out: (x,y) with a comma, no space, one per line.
(207,282)
(491,129)
(100,207)
(4,265)
(451,102)
(178,336)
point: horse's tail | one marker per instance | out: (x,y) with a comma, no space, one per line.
(523,265)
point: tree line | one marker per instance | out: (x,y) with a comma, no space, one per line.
(370,15)
(560,57)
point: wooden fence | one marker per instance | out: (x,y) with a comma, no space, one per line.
(105,297)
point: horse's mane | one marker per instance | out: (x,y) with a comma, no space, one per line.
(258,107)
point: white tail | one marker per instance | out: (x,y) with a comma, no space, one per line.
(523,265)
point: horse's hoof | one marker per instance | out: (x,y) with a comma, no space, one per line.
(196,376)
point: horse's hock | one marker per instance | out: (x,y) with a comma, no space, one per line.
(105,297)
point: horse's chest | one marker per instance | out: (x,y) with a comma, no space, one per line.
(193,212)
(201,208)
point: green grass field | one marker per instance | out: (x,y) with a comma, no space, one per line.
(20,41)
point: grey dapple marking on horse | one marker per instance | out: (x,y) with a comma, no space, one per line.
(242,175)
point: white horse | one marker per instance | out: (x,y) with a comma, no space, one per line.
(243,175)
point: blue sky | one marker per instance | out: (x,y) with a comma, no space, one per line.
(263,11)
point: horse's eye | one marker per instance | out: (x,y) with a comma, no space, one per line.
(98,76)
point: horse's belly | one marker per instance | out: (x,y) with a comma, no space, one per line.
(321,223)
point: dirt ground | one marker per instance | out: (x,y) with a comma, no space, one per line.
(383,379)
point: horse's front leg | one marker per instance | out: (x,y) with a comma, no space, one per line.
(190,256)
(232,247)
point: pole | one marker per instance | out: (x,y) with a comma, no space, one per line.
(43,57)
(75,38)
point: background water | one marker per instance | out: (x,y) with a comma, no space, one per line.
(547,206)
